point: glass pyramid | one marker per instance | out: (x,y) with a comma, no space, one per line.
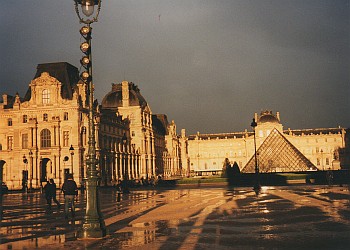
(277,154)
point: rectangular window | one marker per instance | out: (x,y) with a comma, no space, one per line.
(65,116)
(45,117)
(45,138)
(65,138)
(25,118)
(9,142)
(327,161)
(25,141)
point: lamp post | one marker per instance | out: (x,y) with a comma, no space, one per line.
(125,172)
(25,174)
(322,160)
(93,225)
(257,186)
(71,151)
(31,170)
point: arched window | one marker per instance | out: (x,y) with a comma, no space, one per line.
(46,96)
(45,138)
(9,122)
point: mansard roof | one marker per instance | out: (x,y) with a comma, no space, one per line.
(64,72)
(160,123)
(114,98)
(9,102)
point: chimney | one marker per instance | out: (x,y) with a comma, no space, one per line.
(183,133)
(125,93)
(4,98)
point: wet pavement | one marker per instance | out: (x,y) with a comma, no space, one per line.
(293,217)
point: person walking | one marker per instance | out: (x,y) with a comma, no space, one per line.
(70,190)
(50,194)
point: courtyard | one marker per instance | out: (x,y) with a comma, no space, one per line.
(202,217)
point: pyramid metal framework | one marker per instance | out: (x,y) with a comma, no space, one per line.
(277,154)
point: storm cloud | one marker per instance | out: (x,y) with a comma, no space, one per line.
(208,65)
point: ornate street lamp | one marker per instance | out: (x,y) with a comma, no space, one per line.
(31,170)
(322,160)
(25,174)
(257,186)
(93,225)
(71,151)
(126,171)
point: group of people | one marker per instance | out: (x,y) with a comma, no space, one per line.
(70,191)
(122,185)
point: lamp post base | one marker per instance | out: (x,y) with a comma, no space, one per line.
(93,230)
(93,225)
(257,188)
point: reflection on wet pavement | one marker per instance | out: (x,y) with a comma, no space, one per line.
(219,218)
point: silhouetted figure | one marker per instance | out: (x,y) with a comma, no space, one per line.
(119,186)
(70,190)
(329,177)
(226,165)
(50,193)
(233,174)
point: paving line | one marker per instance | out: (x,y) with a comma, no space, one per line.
(193,237)
(303,200)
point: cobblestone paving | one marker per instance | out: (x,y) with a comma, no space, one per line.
(294,217)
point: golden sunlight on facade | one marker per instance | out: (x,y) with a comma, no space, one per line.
(44,135)
(320,149)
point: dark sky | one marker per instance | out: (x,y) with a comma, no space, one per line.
(207,64)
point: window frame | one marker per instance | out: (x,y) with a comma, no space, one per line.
(45,96)
(10,142)
(45,138)
(25,140)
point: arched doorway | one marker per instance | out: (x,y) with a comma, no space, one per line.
(2,164)
(45,170)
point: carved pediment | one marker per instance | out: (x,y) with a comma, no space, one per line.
(45,79)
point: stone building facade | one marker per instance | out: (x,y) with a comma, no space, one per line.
(45,134)
(151,135)
(323,147)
